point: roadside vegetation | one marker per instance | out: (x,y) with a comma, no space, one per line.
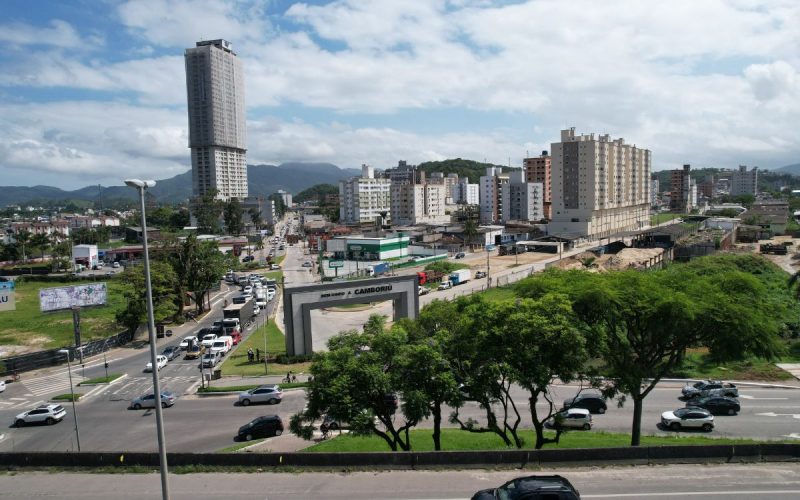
(456,440)
(238,364)
(247,387)
(67,397)
(102,380)
(445,266)
(618,332)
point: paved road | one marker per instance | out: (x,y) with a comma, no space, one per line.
(668,482)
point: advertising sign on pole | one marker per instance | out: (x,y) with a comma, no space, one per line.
(7,296)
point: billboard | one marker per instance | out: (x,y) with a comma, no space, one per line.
(7,296)
(66,297)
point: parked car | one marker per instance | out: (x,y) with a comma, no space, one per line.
(45,414)
(248,258)
(423,290)
(460,255)
(171,352)
(709,388)
(2,386)
(186,342)
(591,401)
(161,362)
(480,274)
(270,394)
(688,418)
(149,400)
(266,426)
(274,267)
(307,264)
(716,405)
(531,487)
(115,265)
(572,418)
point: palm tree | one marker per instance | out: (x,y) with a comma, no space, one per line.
(23,238)
(42,241)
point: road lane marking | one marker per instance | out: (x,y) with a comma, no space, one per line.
(693,493)
(794,435)
(745,396)
(773,414)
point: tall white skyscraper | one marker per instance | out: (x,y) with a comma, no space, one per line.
(217,128)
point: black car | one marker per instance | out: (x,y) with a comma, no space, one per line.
(266,426)
(460,255)
(171,352)
(248,258)
(716,405)
(531,488)
(588,400)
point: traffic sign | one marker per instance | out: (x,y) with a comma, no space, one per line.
(335,263)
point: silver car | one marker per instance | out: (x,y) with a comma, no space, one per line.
(271,394)
(688,418)
(149,400)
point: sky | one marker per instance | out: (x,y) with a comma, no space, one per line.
(94,91)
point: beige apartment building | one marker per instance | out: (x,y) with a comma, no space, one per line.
(539,170)
(600,186)
(419,204)
(364,199)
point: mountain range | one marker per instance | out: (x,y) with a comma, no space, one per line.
(263,180)
(793,169)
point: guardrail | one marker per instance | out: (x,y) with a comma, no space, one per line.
(643,455)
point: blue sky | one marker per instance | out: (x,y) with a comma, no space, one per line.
(93,91)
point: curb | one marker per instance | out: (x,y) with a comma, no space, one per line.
(766,385)
(229,393)
(124,375)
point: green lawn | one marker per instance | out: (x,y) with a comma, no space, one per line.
(28,326)
(102,380)
(66,397)
(662,218)
(237,363)
(698,366)
(455,439)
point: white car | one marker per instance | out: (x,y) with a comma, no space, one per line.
(445,285)
(186,342)
(48,414)
(2,386)
(688,418)
(210,359)
(161,362)
(274,267)
(208,340)
(573,418)
(115,265)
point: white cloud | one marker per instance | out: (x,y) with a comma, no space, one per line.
(770,81)
(58,34)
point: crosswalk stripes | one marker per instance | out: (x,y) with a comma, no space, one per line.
(19,403)
(51,384)
(136,386)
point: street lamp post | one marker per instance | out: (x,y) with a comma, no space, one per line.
(140,186)
(72,393)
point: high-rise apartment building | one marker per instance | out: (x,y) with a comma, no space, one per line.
(600,185)
(464,193)
(419,204)
(364,199)
(539,170)
(654,192)
(286,197)
(491,195)
(403,173)
(744,182)
(683,196)
(217,129)
(522,200)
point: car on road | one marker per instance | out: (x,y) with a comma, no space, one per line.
(149,400)
(270,394)
(248,258)
(171,352)
(445,285)
(591,401)
(265,426)
(572,418)
(45,414)
(161,362)
(708,388)
(274,267)
(247,290)
(115,265)
(688,418)
(480,274)
(2,386)
(460,255)
(716,405)
(307,263)
(208,340)
(210,359)
(531,488)
(186,342)
(423,290)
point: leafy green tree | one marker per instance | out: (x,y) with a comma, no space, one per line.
(351,381)
(198,266)
(163,281)
(233,216)
(316,193)
(255,218)
(23,239)
(41,241)
(207,209)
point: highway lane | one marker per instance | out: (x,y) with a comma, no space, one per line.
(667,482)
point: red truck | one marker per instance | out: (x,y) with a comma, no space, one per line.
(429,277)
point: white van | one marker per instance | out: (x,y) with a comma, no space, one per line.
(222,345)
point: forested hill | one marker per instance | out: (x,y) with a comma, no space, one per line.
(316,193)
(464,168)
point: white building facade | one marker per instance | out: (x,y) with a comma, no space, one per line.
(363,199)
(744,182)
(522,201)
(217,128)
(601,186)
(491,195)
(419,204)
(465,193)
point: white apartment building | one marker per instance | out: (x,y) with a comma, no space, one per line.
(465,193)
(363,199)
(217,129)
(286,197)
(522,201)
(419,204)
(744,182)
(654,190)
(491,195)
(601,186)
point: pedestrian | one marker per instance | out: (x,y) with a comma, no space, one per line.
(258,354)
(294,378)
(250,354)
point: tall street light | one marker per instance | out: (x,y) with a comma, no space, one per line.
(140,186)
(72,393)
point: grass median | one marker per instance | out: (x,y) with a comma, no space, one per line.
(101,380)
(458,440)
(247,387)
(238,364)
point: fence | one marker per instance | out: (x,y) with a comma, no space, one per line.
(45,359)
